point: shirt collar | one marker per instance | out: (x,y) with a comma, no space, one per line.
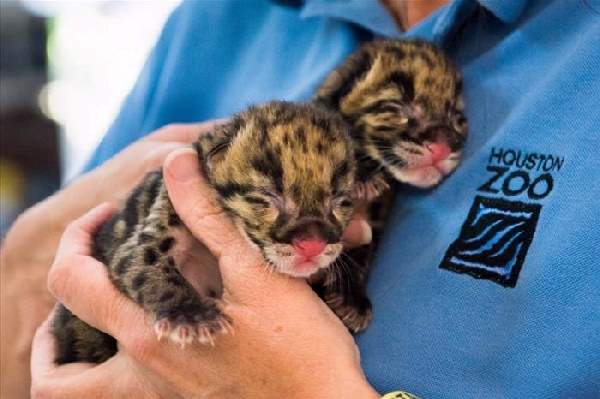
(508,11)
(369,14)
(372,15)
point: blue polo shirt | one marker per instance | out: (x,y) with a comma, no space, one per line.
(489,285)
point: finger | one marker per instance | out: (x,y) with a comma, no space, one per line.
(88,293)
(195,202)
(44,371)
(79,380)
(155,155)
(81,284)
(77,237)
(358,232)
(43,350)
(184,132)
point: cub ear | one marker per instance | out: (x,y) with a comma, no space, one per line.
(212,146)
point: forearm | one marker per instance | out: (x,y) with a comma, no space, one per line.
(25,258)
(29,248)
(26,255)
(32,240)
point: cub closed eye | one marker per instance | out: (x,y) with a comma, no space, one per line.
(266,197)
(268,193)
(257,200)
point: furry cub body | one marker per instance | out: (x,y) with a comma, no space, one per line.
(284,172)
(403,101)
(289,176)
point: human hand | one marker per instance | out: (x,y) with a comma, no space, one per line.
(287,342)
(115,178)
(29,247)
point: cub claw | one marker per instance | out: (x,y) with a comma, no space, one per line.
(183,333)
(355,318)
(370,190)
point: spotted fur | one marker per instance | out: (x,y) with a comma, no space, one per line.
(283,171)
(402,98)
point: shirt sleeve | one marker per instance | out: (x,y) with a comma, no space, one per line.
(213,59)
(131,121)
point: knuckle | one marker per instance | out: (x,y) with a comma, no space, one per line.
(143,348)
(140,345)
(61,271)
(111,317)
(205,212)
(236,250)
(173,130)
(71,230)
(154,157)
(57,275)
(167,129)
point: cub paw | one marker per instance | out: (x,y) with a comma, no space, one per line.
(356,317)
(370,190)
(183,326)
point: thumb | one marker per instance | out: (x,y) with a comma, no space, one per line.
(358,232)
(195,203)
(77,237)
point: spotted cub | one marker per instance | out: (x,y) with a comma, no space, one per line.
(284,172)
(403,100)
(289,175)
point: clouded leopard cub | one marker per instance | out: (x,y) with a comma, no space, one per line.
(284,172)
(403,100)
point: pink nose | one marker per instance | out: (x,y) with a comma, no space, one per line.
(439,151)
(309,248)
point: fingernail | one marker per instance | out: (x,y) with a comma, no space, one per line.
(184,164)
(366,232)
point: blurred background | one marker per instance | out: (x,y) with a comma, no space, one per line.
(65,68)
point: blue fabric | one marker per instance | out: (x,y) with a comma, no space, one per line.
(532,74)
(215,58)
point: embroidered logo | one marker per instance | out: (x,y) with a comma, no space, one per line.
(495,237)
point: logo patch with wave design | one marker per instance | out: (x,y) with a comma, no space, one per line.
(494,240)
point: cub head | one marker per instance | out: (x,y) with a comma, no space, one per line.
(285,173)
(404,101)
